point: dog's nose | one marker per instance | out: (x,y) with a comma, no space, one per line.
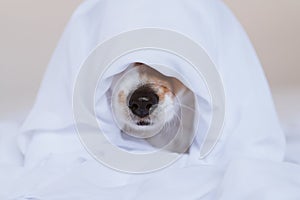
(143,101)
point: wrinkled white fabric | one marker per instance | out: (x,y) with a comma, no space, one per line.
(258,179)
(251,128)
(56,165)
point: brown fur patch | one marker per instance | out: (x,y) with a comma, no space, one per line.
(122,97)
(163,85)
(138,64)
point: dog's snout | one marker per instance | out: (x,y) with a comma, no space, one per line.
(143,101)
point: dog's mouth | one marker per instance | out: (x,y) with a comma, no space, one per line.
(143,123)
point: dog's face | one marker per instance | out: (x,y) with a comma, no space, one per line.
(144,100)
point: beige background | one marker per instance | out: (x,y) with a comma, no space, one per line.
(30,30)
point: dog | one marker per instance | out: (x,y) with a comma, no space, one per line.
(147,104)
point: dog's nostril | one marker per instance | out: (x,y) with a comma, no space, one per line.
(149,106)
(142,100)
(134,107)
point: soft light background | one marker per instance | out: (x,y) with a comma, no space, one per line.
(29,32)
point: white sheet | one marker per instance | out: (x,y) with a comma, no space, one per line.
(247,162)
(77,177)
(80,177)
(207,23)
